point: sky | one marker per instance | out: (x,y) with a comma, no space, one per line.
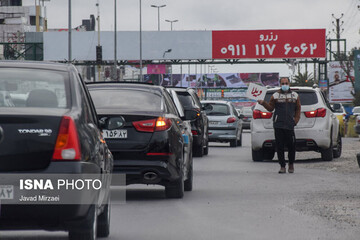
(216,15)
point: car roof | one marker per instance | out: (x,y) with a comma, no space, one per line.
(295,88)
(215,101)
(127,85)
(36,65)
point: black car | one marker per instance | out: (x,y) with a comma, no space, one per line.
(49,126)
(144,133)
(199,125)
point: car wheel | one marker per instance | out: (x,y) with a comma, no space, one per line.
(206,149)
(188,184)
(89,232)
(269,154)
(233,143)
(327,154)
(199,150)
(257,156)
(103,227)
(175,189)
(239,142)
(338,148)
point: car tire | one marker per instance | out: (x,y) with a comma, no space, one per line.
(257,156)
(89,232)
(103,227)
(199,150)
(175,189)
(233,143)
(206,149)
(239,142)
(269,154)
(338,148)
(327,154)
(188,184)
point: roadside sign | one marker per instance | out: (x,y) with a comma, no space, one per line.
(256,92)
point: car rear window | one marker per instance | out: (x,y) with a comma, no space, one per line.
(217,109)
(186,100)
(124,99)
(306,97)
(33,88)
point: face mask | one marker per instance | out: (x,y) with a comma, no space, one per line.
(285,87)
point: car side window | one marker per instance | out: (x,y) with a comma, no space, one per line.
(196,99)
(326,102)
(88,106)
(169,103)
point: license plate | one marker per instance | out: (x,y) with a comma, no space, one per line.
(6,192)
(214,123)
(115,134)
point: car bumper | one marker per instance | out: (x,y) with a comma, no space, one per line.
(357,129)
(222,134)
(147,171)
(306,140)
(246,125)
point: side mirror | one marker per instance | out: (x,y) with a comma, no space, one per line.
(102,123)
(241,116)
(191,115)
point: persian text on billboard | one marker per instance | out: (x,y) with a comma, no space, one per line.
(295,43)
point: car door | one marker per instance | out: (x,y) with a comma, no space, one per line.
(98,149)
(334,122)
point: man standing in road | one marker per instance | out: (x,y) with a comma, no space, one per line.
(287,114)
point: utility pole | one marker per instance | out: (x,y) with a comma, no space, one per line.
(337,24)
(98,22)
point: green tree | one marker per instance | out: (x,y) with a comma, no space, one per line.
(303,79)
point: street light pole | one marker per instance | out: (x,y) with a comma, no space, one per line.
(158,7)
(115,40)
(98,22)
(141,75)
(171,22)
(69,33)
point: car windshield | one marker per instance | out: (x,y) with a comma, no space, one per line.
(356,110)
(217,109)
(247,111)
(306,97)
(186,100)
(33,88)
(125,99)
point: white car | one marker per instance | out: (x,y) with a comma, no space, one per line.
(317,130)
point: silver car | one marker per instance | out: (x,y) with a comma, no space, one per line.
(225,124)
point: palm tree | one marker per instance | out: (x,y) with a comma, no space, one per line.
(303,79)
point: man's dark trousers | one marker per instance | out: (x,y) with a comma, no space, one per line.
(285,137)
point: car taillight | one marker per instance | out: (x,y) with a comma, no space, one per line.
(162,124)
(231,120)
(145,125)
(194,132)
(67,145)
(153,125)
(260,114)
(320,112)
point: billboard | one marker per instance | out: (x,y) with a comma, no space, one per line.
(295,43)
(223,80)
(340,86)
(189,45)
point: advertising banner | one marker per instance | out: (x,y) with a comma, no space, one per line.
(340,86)
(223,80)
(295,43)
(156,69)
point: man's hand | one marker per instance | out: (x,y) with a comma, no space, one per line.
(261,102)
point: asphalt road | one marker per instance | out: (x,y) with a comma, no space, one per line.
(236,198)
